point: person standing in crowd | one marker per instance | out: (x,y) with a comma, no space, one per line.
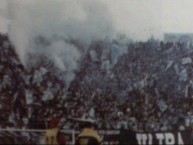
(88,136)
(53,135)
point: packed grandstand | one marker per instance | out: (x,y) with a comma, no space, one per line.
(144,86)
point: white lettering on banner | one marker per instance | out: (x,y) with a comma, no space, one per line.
(144,139)
(138,136)
(162,138)
(150,142)
(169,139)
(180,140)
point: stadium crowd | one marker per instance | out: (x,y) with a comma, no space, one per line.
(146,87)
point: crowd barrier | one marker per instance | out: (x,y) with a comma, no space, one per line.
(30,136)
(110,137)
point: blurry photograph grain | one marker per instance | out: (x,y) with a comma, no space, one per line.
(96,72)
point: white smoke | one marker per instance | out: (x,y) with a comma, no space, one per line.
(3,6)
(3,15)
(46,26)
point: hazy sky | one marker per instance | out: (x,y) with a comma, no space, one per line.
(143,18)
(3,21)
(139,19)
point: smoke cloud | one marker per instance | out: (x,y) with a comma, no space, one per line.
(48,26)
(3,21)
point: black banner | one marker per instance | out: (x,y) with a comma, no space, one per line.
(164,138)
(128,137)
